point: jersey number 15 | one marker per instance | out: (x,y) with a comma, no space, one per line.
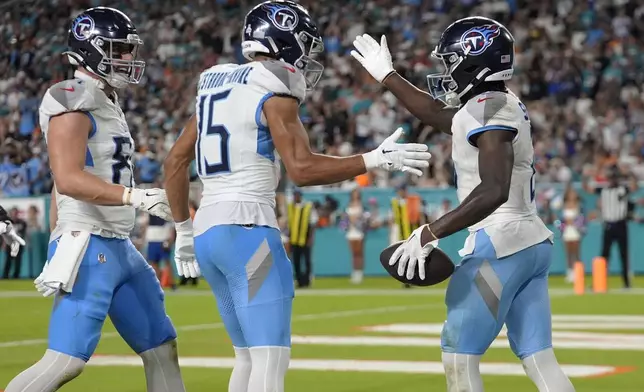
(213,155)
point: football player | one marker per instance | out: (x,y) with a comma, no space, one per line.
(94,269)
(9,234)
(503,277)
(247,119)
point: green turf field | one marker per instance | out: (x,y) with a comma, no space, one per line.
(374,337)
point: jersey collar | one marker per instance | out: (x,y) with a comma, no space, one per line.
(85,77)
(97,82)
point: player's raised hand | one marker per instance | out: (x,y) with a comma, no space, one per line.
(412,253)
(392,156)
(374,57)
(153,201)
(184,251)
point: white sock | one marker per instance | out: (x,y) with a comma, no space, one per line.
(356,276)
(270,364)
(54,370)
(544,370)
(161,365)
(241,371)
(462,372)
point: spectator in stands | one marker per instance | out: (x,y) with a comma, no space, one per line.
(578,69)
(14,175)
(148,169)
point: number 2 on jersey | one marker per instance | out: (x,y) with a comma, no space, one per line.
(212,138)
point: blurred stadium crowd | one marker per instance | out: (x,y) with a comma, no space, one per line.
(578,71)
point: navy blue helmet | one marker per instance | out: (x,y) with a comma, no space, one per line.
(105,42)
(473,50)
(284,30)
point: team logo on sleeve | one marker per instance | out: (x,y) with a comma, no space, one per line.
(477,39)
(82,27)
(283,18)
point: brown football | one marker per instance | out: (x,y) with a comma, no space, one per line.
(438,267)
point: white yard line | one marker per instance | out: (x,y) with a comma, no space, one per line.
(411,367)
(559,327)
(404,341)
(357,292)
(296,318)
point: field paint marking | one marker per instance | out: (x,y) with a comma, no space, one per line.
(436,328)
(554,292)
(405,341)
(412,367)
(592,318)
(303,317)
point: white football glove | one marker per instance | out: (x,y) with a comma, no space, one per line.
(392,156)
(410,252)
(374,57)
(11,238)
(46,291)
(184,250)
(153,201)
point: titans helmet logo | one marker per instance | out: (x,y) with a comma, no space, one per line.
(283,18)
(477,39)
(82,27)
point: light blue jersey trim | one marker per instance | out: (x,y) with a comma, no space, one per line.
(486,128)
(265,146)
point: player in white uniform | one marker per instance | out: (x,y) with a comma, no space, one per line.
(246,121)
(94,269)
(503,277)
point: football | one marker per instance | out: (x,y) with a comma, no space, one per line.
(438,267)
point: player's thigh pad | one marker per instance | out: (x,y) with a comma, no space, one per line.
(77,318)
(529,319)
(138,310)
(479,295)
(260,280)
(207,254)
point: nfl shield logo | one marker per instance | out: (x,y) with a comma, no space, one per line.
(101,258)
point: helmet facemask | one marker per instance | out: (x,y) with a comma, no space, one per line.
(443,86)
(311,69)
(116,71)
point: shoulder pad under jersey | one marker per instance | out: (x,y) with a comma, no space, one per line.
(279,78)
(495,108)
(68,96)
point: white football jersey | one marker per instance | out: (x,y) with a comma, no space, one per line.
(515,225)
(108,156)
(235,156)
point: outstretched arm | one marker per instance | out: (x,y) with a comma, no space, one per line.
(419,103)
(496,159)
(376,59)
(176,168)
(306,168)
